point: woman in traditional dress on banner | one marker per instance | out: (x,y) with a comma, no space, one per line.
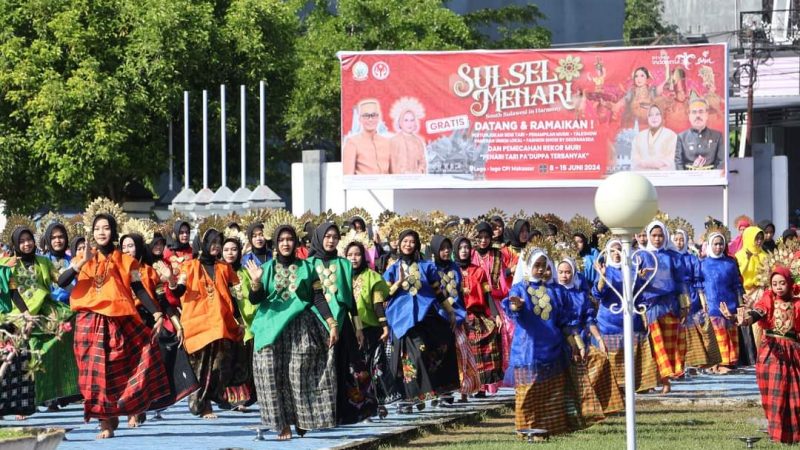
(294,362)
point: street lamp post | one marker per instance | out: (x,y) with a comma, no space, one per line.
(625,202)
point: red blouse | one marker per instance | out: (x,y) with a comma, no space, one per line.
(476,289)
(779,316)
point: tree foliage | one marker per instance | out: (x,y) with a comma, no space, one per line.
(644,23)
(87,87)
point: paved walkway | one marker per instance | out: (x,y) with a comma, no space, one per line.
(180,430)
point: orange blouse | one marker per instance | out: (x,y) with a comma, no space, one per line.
(103,285)
(152,284)
(207,305)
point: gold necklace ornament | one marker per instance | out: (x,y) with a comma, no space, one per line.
(411,282)
(285,280)
(541,301)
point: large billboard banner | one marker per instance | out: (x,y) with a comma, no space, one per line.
(531,118)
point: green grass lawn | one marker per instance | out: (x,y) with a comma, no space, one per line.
(9,434)
(658,427)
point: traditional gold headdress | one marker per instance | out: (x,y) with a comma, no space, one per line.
(461,229)
(144,227)
(101,205)
(717,228)
(351,237)
(783,255)
(13,222)
(581,224)
(679,223)
(212,222)
(282,217)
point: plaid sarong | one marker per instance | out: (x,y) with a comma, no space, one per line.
(546,399)
(296,377)
(17,387)
(669,346)
(467,367)
(701,345)
(603,381)
(778,376)
(120,371)
(646,370)
(727,336)
(484,343)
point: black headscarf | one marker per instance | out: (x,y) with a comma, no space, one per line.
(285,260)
(73,246)
(463,263)
(517,230)
(414,256)
(769,244)
(16,236)
(237,264)
(363,250)
(203,247)
(436,244)
(112,224)
(789,234)
(317,249)
(550,230)
(176,229)
(260,252)
(355,219)
(142,254)
(586,244)
(497,221)
(480,228)
(157,237)
(48,234)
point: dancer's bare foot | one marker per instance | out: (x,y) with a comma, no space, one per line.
(667,387)
(134,421)
(285,435)
(107,427)
(20,417)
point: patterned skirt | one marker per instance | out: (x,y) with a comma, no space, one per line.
(778,376)
(701,344)
(485,344)
(727,337)
(221,369)
(506,335)
(467,367)
(377,359)
(545,398)
(17,387)
(646,371)
(669,346)
(355,398)
(59,379)
(296,377)
(120,372)
(424,360)
(603,386)
(180,374)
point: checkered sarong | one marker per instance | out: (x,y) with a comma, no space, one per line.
(17,388)
(296,377)
(484,341)
(727,336)
(778,376)
(120,371)
(701,345)
(669,346)
(603,381)
(546,399)
(646,371)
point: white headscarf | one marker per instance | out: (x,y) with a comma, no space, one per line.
(710,246)
(609,261)
(525,265)
(572,266)
(685,248)
(667,242)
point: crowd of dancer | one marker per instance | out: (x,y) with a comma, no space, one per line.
(328,320)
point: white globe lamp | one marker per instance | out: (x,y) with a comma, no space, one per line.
(625,202)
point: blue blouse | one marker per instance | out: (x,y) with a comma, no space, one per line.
(58,293)
(607,321)
(722,284)
(661,294)
(406,309)
(459,307)
(582,309)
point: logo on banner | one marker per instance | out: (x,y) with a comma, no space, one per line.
(380,70)
(360,71)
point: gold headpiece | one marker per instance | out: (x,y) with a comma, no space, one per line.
(461,229)
(361,213)
(385,216)
(351,237)
(721,229)
(75,226)
(253,216)
(13,222)
(212,222)
(569,251)
(402,223)
(144,227)
(548,246)
(679,223)
(662,217)
(282,217)
(581,224)
(49,219)
(486,217)
(783,255)
(102,205)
